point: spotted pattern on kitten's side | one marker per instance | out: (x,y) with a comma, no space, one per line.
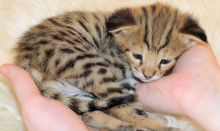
(92,61)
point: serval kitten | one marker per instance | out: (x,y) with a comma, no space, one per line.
(92,61)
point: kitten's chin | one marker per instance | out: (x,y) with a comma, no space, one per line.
(141,77)
(151,79)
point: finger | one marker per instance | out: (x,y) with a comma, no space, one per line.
(21,81)
(199,53)
(163,95)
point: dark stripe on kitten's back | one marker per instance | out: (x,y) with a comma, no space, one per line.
(108,79)
(90,65)
(69,64)
(81,57)
(86,73)
(84,27)
(79,49)
(49,53)
(54,22)
(66,50)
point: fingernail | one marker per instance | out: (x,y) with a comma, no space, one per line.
(4,72)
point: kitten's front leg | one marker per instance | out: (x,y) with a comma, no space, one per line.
(104,122)
(131,114)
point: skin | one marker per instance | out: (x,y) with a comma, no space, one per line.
(193,90)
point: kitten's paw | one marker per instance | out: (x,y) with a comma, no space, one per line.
(142,129)
(165,129)
(127,128)
(175,129)
(169,129)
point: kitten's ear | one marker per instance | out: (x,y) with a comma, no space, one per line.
(120,21)
(193,32)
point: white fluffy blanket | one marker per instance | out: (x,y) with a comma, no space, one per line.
(16,16)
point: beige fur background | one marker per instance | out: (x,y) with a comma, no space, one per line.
(16,16)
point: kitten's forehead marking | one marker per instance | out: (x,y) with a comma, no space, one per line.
(158,24)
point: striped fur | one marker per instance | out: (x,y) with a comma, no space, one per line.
(92,61)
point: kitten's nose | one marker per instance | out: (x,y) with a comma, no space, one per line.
(147,77)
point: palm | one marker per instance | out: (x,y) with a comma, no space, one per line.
(40,113)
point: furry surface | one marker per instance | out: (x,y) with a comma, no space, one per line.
(16,16)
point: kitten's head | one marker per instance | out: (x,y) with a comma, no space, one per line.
(153,37)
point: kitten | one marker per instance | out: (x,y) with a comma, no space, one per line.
(92,61)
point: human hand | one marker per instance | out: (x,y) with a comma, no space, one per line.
(193,88)
(38,112)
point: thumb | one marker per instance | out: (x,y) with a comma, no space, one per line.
(21,81)
(163,95)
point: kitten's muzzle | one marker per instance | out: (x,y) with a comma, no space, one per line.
(148,77)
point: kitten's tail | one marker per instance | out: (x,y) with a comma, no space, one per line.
(81,106)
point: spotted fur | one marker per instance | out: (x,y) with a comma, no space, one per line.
(92,61)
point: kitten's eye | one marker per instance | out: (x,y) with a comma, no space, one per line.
(137,56)
(163,61)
